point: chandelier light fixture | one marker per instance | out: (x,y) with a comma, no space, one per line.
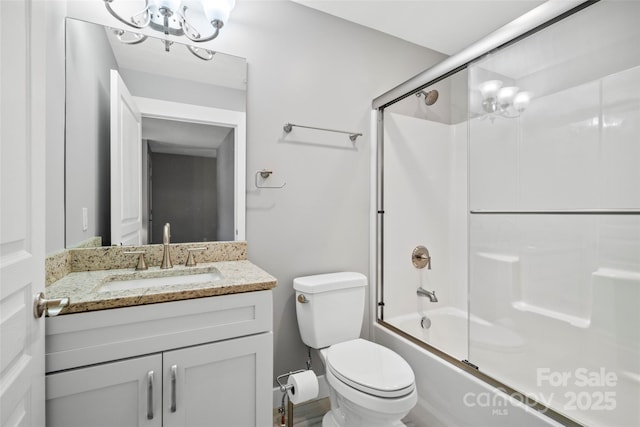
(507,101)
(198,20)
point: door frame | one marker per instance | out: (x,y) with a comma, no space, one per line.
(159,109)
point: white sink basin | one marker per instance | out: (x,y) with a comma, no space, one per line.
(152,282)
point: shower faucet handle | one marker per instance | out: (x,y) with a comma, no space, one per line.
(420,257)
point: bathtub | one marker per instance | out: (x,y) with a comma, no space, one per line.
(448,332)
(448,394)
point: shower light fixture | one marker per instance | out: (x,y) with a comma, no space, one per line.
(198,20)
(504,101)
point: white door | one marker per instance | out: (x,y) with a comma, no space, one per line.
(127,393)
(126,165)
(22,197)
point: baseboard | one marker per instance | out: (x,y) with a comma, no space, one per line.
(322,392)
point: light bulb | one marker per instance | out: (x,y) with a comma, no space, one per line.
(507,94)
(490,88)
(521,101)
(218,9)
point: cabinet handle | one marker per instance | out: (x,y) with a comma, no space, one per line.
(174,375)
(150,395)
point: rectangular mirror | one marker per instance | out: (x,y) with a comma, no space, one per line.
(188,165)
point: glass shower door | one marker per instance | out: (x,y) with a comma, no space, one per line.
(554,228)
(425,205)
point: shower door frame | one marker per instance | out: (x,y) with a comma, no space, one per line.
(539,18)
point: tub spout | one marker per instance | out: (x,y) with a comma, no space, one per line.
(429,294)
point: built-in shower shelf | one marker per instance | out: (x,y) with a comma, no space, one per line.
(576,321)
(616,274)
(499,257)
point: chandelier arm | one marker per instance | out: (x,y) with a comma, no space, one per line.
(211,37)
(187,28)
(138,38)
(194,50)
(196,37)
(132,23)
(147,17)
(216,24)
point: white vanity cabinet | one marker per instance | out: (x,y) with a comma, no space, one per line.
(217,384)
(127,393)
(199,362)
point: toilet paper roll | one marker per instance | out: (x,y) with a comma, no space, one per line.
(303,386)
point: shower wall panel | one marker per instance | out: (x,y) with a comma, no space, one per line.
(425,199)
(417,160)
(619,171)
(561,294)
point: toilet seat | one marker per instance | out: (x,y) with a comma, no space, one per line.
(370,368)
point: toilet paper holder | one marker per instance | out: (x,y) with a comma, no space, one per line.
(285,387)
(288,390)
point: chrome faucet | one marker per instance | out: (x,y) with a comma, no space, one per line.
(429,294)
(166,255)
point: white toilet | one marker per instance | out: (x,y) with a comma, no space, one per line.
(369,385)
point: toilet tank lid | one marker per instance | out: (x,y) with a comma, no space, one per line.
(329,282)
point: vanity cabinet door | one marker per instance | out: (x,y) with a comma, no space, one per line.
(225,384)
(124,394)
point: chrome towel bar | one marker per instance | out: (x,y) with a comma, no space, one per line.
(352,135)
(621,211)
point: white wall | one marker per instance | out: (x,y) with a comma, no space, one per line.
(312,69)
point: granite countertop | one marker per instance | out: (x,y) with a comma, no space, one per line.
(86,289)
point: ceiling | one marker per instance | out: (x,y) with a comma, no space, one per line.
(168,136)
(446,26)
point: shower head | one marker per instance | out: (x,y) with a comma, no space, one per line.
(430,97)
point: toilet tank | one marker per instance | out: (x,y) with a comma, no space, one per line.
(330,307)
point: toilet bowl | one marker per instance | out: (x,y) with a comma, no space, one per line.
(369,385)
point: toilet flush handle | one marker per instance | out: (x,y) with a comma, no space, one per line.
(302,299)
